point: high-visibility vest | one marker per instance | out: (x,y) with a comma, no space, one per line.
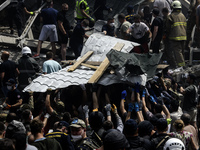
(78,10)
(178,26)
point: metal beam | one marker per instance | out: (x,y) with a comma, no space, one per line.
(6,3)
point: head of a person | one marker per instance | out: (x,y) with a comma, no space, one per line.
(65,7)
(121,18)
(60,106)
(20,141)
(178,125)
(157,108)
(165,11)
(49,3)
(110,22)
(174,143)
(5,55)
(174,106)
(130,128)
(145,128)
(2,130)
(155,12)
(85,23)
(186,118)
(10,117)
(137,18)
(96,120)
(37,127)
(107,125)
(78,130)
(62,126)
(161,125)
(49,55)
(7,144)
(67,117)
(114,139)
(191,79)
(146,10)
(176,5)
(27,115)
(11,84)
(130,9)
(26,51)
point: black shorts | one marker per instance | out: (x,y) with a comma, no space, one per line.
(62,39)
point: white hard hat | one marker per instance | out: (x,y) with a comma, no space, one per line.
(26,50)
(176,4)
(174,144)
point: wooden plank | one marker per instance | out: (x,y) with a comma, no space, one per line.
(89,66)
(78,63)
(104,65)
(94,63)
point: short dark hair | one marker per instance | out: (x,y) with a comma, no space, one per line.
(158,108)
(109,19)
(67,117)
(26,114)
(186,118)
(49,55)
(36,126)
(121,16)
(108,125)
(165,10)
(2,128)
(193,77)
(85,22)
(137,17)
(10,117)
(7,144)
(175,105)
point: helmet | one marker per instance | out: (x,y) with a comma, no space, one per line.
(26,50)
(174,144)
(176,4)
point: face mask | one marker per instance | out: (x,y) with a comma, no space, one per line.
(112,24)
(9,87)
(137,24)
(76,137)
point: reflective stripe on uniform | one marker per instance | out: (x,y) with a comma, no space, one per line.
(179,38)
(179,24)
(78,10)
(181,64)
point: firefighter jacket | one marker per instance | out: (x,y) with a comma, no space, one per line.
(176,26)
(78,9)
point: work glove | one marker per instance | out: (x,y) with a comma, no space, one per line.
(130,107)
(32,13)
(114,109)
(86,111)
(6,106)
(49,90)
(136,107)
(47,115)
(124,94)
(92,19)
(108,109)
(143,93)
(137,87)
(151,98)
(140,105)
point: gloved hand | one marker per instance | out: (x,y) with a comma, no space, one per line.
(32,13)
(94,87)
(124,94)
(140,105)
(151,98)
(1,107)
(82,87)
(114,109)
(137,87)
(108,109)
(47,115)
(6,106)
(86,111)
(130,107)
(49,90)
(136,107)
(91,19)
(143,93)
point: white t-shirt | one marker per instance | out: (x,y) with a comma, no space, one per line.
(138,31)
(160,4)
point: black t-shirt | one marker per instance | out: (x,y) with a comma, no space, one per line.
(108,29)
(63,18)
(138,142)
(77,35)
(157,22)
(157,138)
(9,68)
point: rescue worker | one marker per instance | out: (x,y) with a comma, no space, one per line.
(82,11)
(176,34)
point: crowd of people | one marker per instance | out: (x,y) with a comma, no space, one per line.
(162,115)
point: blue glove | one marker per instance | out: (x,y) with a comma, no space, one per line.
(143,93)
(137,87)
(123,95)
(140,105)
(136,107)
(130,107)
(151,98)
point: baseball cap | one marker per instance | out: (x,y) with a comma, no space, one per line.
(78,123)
(11,82)
(115,140)
(161,124)
(130,127)
(26,50)
(64,123)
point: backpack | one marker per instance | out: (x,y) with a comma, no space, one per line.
(159,145)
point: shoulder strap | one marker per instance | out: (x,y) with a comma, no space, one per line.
(162,141)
